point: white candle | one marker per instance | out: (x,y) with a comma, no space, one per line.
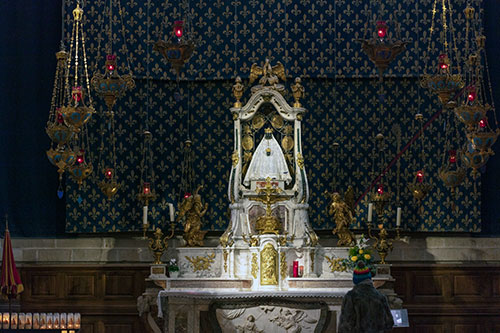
(398,217)
(145,215)
(370,211)
(171,211)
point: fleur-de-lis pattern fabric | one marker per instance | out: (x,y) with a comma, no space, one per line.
(346,104)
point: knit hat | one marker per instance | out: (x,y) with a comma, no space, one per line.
(361,272)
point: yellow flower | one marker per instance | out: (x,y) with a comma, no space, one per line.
(367,257)
(360,251)
(354,258)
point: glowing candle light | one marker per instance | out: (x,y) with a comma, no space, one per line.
(420,176)
(178,28)
(381,29)
(398,217)
(146,188)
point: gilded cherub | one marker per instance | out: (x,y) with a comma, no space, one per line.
(343,217)
(192,210)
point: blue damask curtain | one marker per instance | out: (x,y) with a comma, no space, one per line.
(315,40)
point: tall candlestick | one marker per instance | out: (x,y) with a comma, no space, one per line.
(370,212)
(171,211)
(398,217)
(145,215)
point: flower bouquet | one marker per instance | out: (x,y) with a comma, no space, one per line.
(173,268)
(360,252)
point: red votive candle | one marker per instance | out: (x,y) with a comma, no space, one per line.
(295,268)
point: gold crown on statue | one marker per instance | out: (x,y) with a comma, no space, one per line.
(269,130)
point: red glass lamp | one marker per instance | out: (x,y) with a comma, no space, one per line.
(178,28)
(381,29)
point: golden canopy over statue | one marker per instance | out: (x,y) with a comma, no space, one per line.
(270,75)
(192,210)
(343,217)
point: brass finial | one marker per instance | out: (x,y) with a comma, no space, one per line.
(238,92)
(78,12)
(297,92)
(469,12)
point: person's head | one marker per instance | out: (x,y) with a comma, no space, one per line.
(361,272)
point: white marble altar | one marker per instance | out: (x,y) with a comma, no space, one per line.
(269,230)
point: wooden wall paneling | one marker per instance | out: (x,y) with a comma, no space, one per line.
(446,298)
(468,328)
(495,289)
(105,295)
(81,285)
(43,285)
(469,285)
(427,287)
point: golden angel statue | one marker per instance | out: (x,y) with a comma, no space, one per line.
(343,217)
(192,210)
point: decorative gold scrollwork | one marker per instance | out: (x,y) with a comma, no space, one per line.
(255,265)
(201,263)
(336,264)
(269,265)
(300,161)
(283,266)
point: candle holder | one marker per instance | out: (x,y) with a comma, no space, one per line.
(145,196)
(159,244)
(383,243)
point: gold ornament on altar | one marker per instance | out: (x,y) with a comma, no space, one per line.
(283,266)
(191,210)
(269,76)
(383,244)
(255,265)
(336,264)
(159,244)
(202,263)
(238,92)
(343,217)
(252,240)
(297,92)
(268,265)
(268,223)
